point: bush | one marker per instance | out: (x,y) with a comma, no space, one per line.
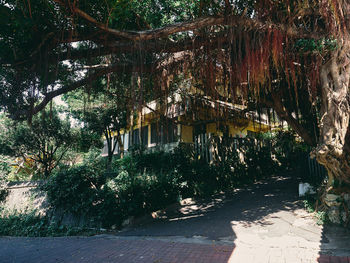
(80,191)
(5,167)
(259,163)
(289,149)
(131,189)
(3,194)
(33,225)
(310,201)
(231,172)
(144,182)
(139,194)
(4,171)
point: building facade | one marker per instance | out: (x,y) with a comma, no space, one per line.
(184,119)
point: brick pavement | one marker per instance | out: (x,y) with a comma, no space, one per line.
(263,224)
(125,250)
(95,249)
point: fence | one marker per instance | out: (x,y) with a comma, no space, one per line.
(202,146)
(317,172)
(210,147)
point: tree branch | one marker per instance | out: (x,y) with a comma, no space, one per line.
(165,31)
(277,105)
(50,95)
(119,47)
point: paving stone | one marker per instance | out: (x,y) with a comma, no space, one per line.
(323,259)
(267,227)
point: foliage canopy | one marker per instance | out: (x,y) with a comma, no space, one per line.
(43,144)
(291,56)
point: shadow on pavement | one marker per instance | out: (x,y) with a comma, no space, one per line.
(214,220)
(264,223)
(264,217)
(335,242)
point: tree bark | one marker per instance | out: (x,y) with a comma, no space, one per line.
(277,105)
(333,147)
(331,151)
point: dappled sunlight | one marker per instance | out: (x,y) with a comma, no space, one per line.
(247,224)
(303,242)
(191,208)
(264,223)
(284,234)
(185,217)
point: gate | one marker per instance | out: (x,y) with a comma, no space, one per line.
(317,172)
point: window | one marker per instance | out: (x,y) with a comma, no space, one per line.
(126,141)
(198,130)
(169,132)
(252,134)
(154,133)
(136,137)
(144,135)
(163,133)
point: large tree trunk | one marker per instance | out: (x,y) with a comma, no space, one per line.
(333,147)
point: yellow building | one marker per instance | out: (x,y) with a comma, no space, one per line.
(188,119)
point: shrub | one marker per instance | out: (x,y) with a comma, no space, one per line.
(79,191)
(33,225)
(4,171)
(310,201)
(144,182)
(5,167)
(259,162)
(142,193)
(3,194)
(86,191)
(289,150)
(232,172)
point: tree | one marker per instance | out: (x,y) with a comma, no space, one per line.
(292,56)
(104,113)
(44,142)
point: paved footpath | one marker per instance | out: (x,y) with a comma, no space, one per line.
(264,223)
(104,249)
(112,249)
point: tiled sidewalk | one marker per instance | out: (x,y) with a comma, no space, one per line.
(93,249)
(102,249)
(283,255)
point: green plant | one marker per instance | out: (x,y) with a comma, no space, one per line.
(142,193)
(312,45)
(4,171)
(321,217)
(75,190)
(3,193)
(309,205)
(14,223)
(259,162)
(290,150)
(310,201)
(143,182)
(39,146)
(5,166)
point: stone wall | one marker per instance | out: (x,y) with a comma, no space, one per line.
(338,208)
(24,197)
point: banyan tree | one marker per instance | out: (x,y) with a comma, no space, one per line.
(290,56)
